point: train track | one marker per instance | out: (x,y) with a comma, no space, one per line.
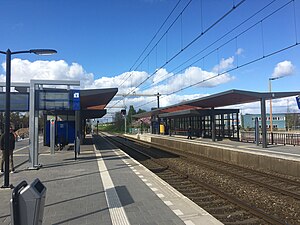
(225,207)
(272,182)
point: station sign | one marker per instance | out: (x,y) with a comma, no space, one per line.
(75,94)
(19,102)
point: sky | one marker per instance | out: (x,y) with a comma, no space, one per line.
(182,49)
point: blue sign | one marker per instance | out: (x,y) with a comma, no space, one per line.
(298,101)
(76,99)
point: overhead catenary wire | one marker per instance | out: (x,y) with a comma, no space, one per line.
(190,43)
(219,39)
(159,29)
(264,56)
(155,46)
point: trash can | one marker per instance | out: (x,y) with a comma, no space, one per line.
(27,203)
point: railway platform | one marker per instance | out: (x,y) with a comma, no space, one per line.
(103,186)
(282,159)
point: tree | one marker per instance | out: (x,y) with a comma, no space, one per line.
(141,111)
(119,122)
(131,112)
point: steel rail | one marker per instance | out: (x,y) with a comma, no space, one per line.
(253,210)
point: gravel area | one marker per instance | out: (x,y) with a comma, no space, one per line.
(284,207)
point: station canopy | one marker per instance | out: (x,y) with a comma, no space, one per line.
(222,99)
(92,102)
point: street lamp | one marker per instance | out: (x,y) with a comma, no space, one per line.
(8,54)
(270,90)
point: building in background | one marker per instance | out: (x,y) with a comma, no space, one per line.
(281,121)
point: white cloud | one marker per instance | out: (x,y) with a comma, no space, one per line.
(239,51)
(160,75)
(24,71)
(283,69)
(125,82)
(195,75)
(224,65)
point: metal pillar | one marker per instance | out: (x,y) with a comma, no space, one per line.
(213,125)
(32,133)
(7,119)
(77,132)
(52,136)
(263,122)
(237,126)
(256,131)
(125,121)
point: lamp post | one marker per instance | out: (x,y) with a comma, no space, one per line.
(271,116)
(8,54)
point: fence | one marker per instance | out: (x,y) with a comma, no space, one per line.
(273,138)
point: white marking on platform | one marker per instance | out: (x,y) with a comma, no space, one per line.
(134,170)
(177,212)
(168,203)
(154,189)
(160,195)
(149,184)
(137,173)
(145,180)
(188,222)
(141,176)
(116,211)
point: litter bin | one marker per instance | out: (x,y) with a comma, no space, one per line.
(27,203)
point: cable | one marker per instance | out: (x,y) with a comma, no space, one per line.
(152,39)
(223,36)
(155,46)
(243,65)
(188,45)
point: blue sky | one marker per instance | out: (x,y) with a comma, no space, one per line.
(99,41)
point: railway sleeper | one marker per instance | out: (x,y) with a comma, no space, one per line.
(249,221)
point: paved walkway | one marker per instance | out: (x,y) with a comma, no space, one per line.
(104,186)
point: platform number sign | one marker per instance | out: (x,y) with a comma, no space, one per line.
(76,100)
(298,101)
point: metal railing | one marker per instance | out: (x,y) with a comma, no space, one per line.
(273,138)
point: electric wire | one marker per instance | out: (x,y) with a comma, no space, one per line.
(238,66)
(190,43)
(155,46)
(152,39)
(193,41)
(216,41)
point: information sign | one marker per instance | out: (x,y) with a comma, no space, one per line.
(53,100)
(19,102)
(58,99)
(76,99)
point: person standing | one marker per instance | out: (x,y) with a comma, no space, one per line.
(189,133)
(12,139)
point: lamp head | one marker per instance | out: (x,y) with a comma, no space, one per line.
(43,51)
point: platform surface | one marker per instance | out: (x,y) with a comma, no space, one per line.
(103,186)
(279,151)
